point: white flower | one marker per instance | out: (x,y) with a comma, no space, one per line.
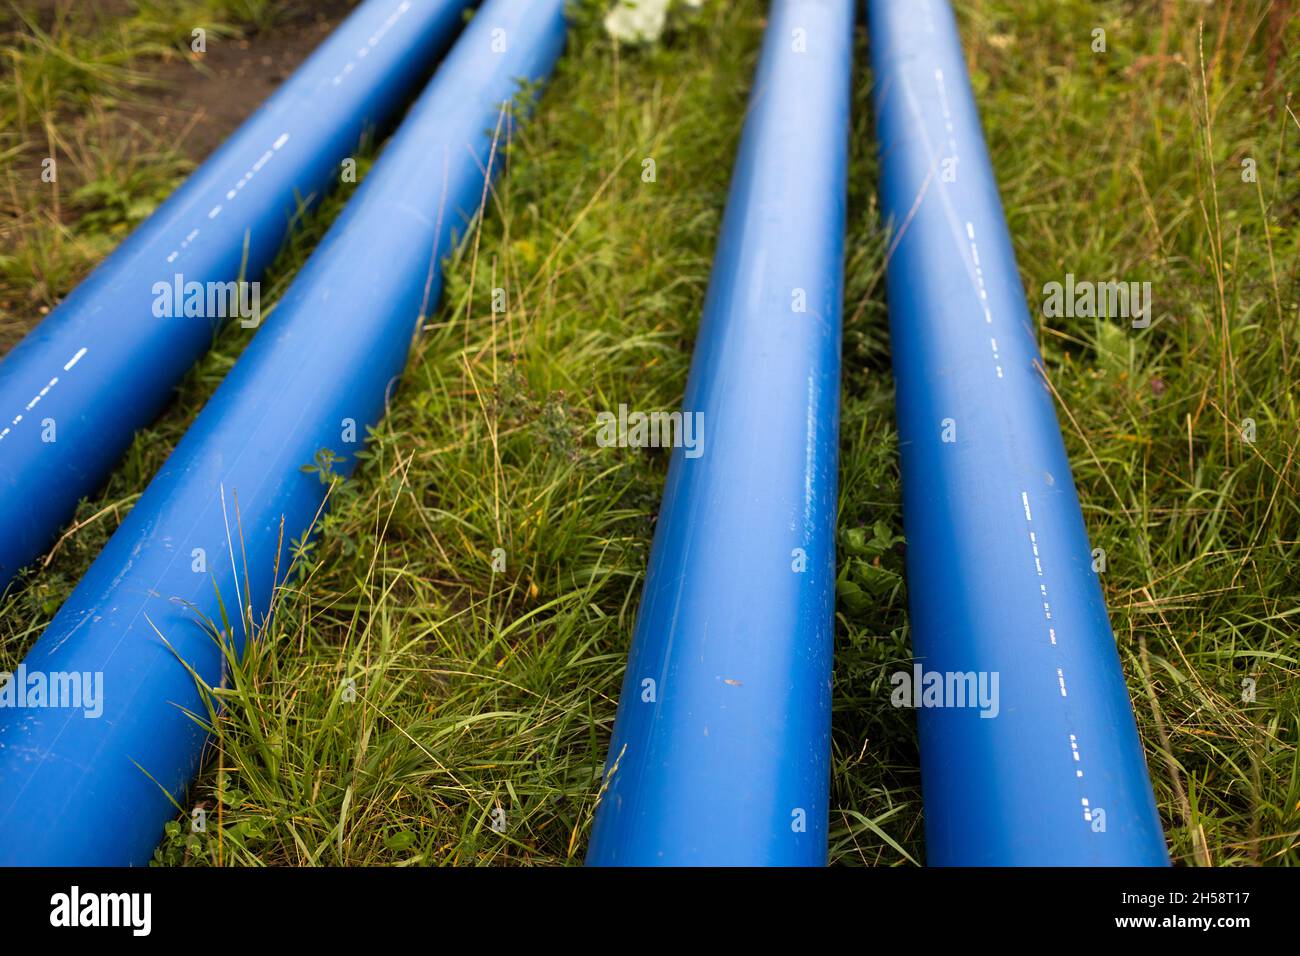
(637,21)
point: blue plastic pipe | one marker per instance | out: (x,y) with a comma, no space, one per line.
(721,747)
(103,364)
(83,789)
(1000,578)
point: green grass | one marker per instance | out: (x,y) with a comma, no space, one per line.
(1130,164)
(477,691)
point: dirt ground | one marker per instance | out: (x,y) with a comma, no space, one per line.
(183,104)
(204,99)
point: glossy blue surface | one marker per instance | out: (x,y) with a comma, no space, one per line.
(1000,575)
(102,364)
(77,789)
(721,750)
